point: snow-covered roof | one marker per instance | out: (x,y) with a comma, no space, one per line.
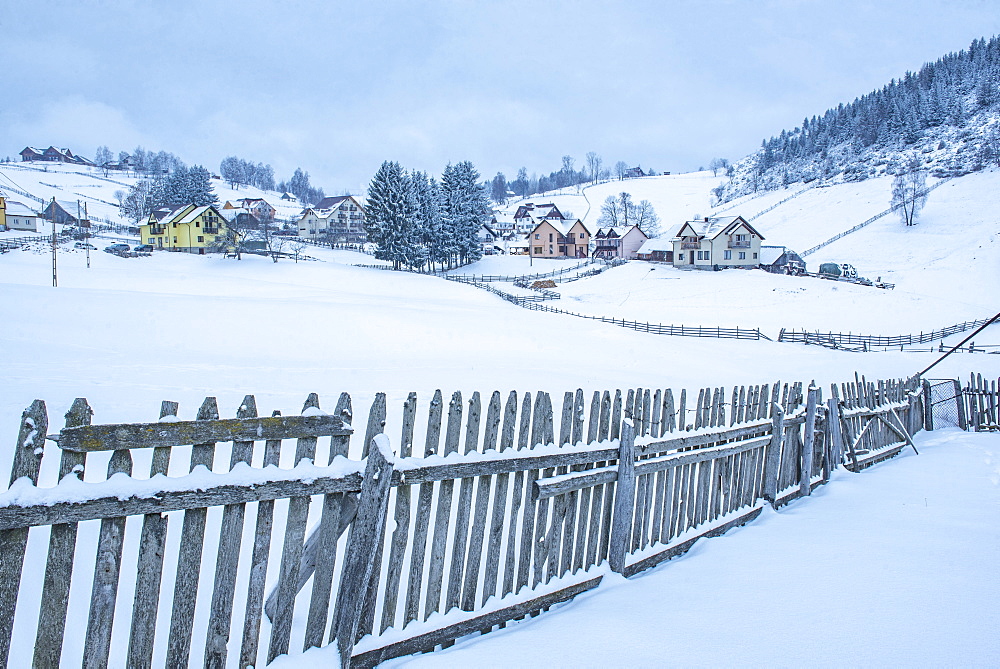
(768,254)
(619,230)
(231,214)
(713,227)
(563,226)
(15,208)
(658,244)
(194,213)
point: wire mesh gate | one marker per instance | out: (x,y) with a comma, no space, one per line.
(944,397)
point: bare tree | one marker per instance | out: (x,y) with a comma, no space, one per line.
(644,216)
(621,169)
(909,191)
(594,166)
(295,247)
(718,164)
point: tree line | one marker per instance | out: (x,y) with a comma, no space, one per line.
(239,172)
(415,221)
(592,171)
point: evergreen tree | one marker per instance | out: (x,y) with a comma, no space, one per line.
(431,231)
(390,219)
(465,209)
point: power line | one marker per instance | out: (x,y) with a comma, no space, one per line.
(959,345)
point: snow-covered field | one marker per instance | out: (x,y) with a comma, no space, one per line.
(129,332)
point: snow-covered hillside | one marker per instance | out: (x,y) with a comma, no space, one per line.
(70,183)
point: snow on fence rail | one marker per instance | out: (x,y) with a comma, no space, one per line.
(867,342)
(537,519)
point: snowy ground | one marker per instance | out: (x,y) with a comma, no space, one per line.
(893,567)
(130,332)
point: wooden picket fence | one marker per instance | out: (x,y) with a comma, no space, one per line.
(981,403)
(505,516)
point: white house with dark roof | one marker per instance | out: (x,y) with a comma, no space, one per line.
(717,243)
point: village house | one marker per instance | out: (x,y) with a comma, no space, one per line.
(62,212)
(18,216)
(634,173)
(259,207)
(717,243)
(490,240)
(339,219)
(659,249)
(187,229)
(529,215)
(557,238)
(623,241)
(52,154)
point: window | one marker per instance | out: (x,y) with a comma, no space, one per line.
(538,236)
(754,256)
(197,225)
(200,238)
(175,240)
(708,255)
(174,224)
(680,256)
(550,236)
(741,238)
(727,255)
(743,255)
(562,249)
(538,250)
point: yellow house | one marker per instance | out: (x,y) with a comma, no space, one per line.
(189,229)
(3,213)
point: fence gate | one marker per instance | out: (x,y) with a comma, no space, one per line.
(944,397)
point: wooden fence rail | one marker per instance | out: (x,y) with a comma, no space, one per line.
(876,341)
(492,505)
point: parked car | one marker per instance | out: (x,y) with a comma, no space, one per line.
(144,249)
(83,245)
(117,249)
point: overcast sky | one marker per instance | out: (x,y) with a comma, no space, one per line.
(338,87)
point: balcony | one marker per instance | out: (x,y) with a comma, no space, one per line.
(690,245)
(739,245)
(156,229)
(211,230)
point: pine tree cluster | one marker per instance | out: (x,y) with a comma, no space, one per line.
(416,222)
(300,187)
(180,187)
(947,113)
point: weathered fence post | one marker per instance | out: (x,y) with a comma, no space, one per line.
(808,441)
(772,464)
(836,435)
(27,458)
(621,523)
(361,546)
(963,421)
(928,415)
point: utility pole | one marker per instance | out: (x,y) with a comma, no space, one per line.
(86,233)
(52,219)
